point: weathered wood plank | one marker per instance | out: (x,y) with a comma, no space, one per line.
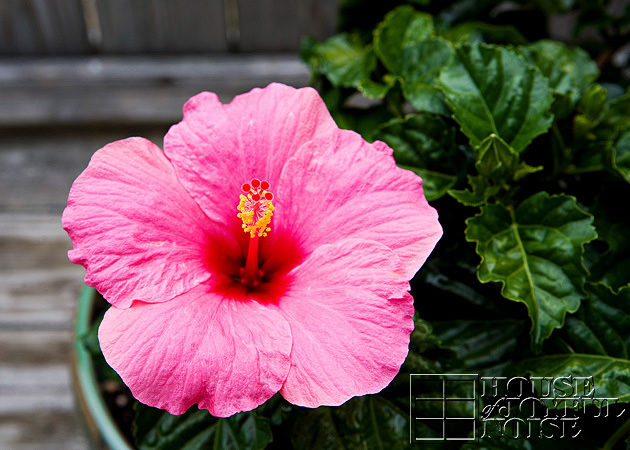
(38,292)
(285,23)
(132,90)
(42,27)
(34,347)
(38,168)
(38,285)
(41,428)
(37,407)
(139,26)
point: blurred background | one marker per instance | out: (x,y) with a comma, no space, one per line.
(77,74)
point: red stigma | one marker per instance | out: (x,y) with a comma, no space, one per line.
(255,183)
(269,196)
(255,197)
(264,185)
(246,187)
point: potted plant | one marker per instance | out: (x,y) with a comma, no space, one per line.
(523,144)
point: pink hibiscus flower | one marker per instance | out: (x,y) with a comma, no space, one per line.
(223,293)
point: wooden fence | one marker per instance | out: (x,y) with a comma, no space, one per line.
(53,27)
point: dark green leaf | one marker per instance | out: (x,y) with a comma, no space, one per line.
(364,121)
(479,343)
(419,71)
(536,253)
(469,32)
(197,429)
(425,144)
(479,193)
(494,90)
(91,343)
(373,89)
(498,162)
(621,154)
(569,70)
(594,104)
(619,112)
(402,27)
(601,324)
(362,422)
(343,59)
(611,376)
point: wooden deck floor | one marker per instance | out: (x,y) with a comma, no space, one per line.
(38,286)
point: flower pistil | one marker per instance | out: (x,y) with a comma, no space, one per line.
(255,210)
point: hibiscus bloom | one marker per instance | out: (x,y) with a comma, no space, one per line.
(265,250)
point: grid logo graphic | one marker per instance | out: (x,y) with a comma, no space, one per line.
(443,407)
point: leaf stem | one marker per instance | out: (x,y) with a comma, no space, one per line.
(617,435)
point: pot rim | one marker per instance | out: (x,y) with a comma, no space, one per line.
(98,418)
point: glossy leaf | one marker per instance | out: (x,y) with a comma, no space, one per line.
(536,252)
(156,429)
(569,70)
(619,112)
(594,104)
(621,154)
(479,193)
(601,324)
(363,422)
(498,162)
(424,144)
(343,59)
(611,376)
(420,68)
(492,90)
(401,28)
(479,343)
(373,89)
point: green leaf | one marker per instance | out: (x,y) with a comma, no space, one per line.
(619,112)
(569,70)
(363,422)
(424,144)
(469,32)
(373,89)
(479,343)
(421,66)
(621,154)
(498,165)
(479,193)
(536,253)
(611,376)
(601,324)
(197,429)
(493,90)
(435,184)
(498,162)
(401,28)
(343,59)
(364,121)
(609,258)
(404,43)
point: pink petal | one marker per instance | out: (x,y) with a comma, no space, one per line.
(341,187)
(350,318)
(216,147)
(136,230)
(225,355)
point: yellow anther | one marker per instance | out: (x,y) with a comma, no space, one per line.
(255,209)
